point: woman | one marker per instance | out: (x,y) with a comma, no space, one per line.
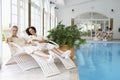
(19,45)
(43,43)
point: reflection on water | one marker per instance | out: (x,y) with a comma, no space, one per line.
(99,61)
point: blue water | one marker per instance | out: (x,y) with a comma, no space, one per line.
(99,61)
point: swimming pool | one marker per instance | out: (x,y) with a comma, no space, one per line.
(99,61)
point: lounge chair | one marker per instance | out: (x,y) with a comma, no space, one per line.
(28,61)
(68,63)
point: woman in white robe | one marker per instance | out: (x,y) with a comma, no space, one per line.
(41,42)
(19,45)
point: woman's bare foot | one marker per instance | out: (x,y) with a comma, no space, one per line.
(66,54)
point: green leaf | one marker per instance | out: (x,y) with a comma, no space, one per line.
(66,35)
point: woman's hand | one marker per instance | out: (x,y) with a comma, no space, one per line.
(43,41)
(35,40)
(40,41)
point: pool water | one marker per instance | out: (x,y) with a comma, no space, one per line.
(99,61)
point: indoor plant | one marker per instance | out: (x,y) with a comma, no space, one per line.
(69,36)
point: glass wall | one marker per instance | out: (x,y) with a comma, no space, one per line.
(36,15)
(14,12)
(46,17)
(19,13)
(6,18)
(23,16)
(53,17)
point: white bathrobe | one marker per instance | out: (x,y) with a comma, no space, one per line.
(20,46)
(42,46)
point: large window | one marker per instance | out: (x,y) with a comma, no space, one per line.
(6,11)
(23,20)
(46,17)
(14,12)
(53,17)
(36,15)
(19,13)
(6,14)
(90,22)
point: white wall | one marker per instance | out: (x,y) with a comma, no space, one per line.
(101,6)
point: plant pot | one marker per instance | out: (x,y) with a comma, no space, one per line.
(65,47)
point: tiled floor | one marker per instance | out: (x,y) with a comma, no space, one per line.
(13,72)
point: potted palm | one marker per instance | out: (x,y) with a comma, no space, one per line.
(68,37)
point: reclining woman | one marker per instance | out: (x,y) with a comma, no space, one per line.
(42,43)
(19,45)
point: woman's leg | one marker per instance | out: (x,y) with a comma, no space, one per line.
(49,58)
(41,54)
(56,50)
(59,52)
(65,54)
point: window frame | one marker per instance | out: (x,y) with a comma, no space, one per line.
(36,17)
(0,33)
(22,24)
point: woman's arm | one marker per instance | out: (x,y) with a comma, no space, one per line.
(9,41)
(40,39)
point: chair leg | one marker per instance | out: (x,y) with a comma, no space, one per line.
(25,61)
(48,68)
(68,63)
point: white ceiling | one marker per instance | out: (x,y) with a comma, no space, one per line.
(76,2)
(70,2)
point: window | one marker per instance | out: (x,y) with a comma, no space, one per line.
(52,17)
(46,17)
(23,19)
(19,13)
(90,22)
(36,15)
(6,11)
(56,21)
(14,12)
(6,14)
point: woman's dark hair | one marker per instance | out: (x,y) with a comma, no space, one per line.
(27,30)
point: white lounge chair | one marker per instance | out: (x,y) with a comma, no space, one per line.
(24,61)
(28,61)
(48,68)
(68,63)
